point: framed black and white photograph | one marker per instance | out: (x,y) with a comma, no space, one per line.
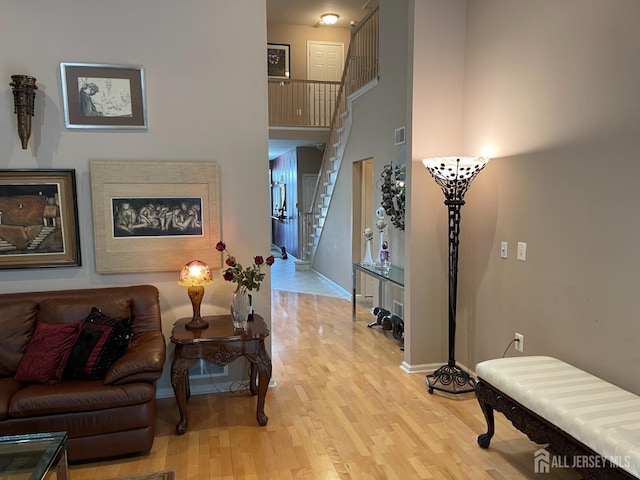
(99,96)
(278,60)
(38,219)
(154,216)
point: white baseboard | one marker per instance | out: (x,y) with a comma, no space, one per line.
(431,367)
(335,285)
(424,368)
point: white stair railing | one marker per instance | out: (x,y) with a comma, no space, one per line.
(361,67)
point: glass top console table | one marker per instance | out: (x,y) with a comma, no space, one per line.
(395,276)
(33,456)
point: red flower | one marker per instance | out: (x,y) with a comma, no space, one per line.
(249,277)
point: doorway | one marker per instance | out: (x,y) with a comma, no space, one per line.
(363,212)
(326,61)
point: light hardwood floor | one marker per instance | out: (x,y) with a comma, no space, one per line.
(341,409)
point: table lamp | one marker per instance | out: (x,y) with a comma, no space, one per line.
(195,275)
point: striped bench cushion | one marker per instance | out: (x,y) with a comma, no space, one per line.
(602,416)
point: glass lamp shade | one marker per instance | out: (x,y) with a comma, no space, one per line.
(455,168)
(196,275)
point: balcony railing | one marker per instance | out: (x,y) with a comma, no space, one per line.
(301,103)
(312,103)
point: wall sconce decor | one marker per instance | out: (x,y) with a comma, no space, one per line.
(24,95)
(393,187)
(196,275)
(453,175)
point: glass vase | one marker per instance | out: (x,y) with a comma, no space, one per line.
(240,307)
(368,259)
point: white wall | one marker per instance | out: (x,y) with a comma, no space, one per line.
(553,85)
(206,94)
(436,75)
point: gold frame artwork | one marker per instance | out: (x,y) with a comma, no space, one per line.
(114,182)
(39,219)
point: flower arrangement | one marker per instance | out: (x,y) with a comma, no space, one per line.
(249,277)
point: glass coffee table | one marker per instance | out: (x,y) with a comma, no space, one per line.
(33,456)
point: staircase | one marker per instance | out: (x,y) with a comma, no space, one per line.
(41,237)
(6,246)
(361,70)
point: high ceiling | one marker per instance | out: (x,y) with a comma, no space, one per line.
(307,12)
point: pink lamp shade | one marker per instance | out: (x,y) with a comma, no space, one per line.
(196,275)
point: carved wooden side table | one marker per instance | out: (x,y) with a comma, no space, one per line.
(220,343)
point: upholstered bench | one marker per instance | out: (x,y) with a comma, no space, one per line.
(575,413)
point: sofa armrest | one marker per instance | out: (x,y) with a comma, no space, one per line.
(143,361)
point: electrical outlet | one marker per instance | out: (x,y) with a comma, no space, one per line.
(519,344)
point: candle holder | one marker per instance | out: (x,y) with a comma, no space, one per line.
(24,95)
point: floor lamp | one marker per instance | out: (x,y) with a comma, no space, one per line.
(453,175)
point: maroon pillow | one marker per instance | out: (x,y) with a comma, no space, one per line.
(102,340)
(47,353)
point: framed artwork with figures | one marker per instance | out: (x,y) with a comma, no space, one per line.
(100,96)
(154,216)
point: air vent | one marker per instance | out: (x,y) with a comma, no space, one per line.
(398,309)
(204,369)
(399,136)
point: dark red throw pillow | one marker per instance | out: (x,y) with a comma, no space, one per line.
(102,340)
(47,353)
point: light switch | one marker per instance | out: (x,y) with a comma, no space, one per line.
(504,250)
(522,251)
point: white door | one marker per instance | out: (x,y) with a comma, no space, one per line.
(366,219)
(325,64)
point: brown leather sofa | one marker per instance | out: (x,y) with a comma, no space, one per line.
(109,417)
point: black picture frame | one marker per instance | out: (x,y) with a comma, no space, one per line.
(278,60)
(39,219)
(101,96)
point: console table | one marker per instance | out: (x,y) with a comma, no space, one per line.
(395,276)
(220,343)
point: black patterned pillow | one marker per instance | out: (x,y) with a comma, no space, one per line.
(102,340)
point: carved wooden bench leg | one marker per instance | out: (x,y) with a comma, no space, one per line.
(485,439)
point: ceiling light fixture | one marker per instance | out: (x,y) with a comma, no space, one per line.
(329,18)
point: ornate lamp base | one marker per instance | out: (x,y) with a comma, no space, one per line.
(196,324)
(452,379)
(195,294)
